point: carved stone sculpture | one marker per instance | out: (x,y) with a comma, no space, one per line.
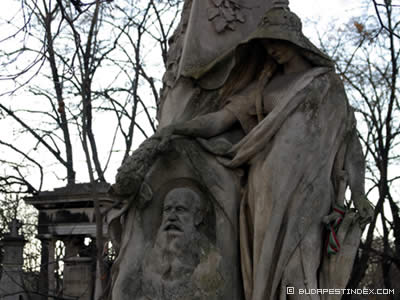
(183,220)
(200,54)
(183,263)
(273,155)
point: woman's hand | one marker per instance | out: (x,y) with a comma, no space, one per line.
(332,217)
(268,71)
(204,126)
(165,136)
(364,208)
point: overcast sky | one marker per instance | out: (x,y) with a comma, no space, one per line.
(320,11)
(325,8)
(324,12)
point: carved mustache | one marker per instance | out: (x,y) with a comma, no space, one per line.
(172,226)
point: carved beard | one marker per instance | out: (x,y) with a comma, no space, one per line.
(174,256)
(167,268)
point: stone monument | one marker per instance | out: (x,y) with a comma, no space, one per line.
(241,192)
(178,217)
(67,214)
(12,283)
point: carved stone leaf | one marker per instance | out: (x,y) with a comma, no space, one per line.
(232,26)
(228,14)
(240,17)
(218,2)
(212,12)
(220,23)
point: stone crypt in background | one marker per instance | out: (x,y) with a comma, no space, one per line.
(67,215)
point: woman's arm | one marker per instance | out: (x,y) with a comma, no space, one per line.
(355,166)
(205,126)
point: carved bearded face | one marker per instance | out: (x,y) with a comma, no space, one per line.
(181,212)
(281,51)
(176,252)
(177,234)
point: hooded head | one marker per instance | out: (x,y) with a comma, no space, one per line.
(279,23)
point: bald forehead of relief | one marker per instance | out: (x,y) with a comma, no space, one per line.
(183,196)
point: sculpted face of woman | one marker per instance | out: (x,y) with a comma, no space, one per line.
(281,51)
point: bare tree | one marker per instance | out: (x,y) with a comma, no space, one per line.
(90,68)
(367,57)
(382,11)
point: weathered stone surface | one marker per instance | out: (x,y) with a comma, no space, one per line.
(205,251)
(68,211)
(67,214)
(268,141)
(78,278)
(201,57)
(12,286)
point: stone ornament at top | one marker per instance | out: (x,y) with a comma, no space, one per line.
(214,28)
(225,14)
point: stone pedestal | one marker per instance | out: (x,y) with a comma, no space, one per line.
(78,278)
(11,283)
